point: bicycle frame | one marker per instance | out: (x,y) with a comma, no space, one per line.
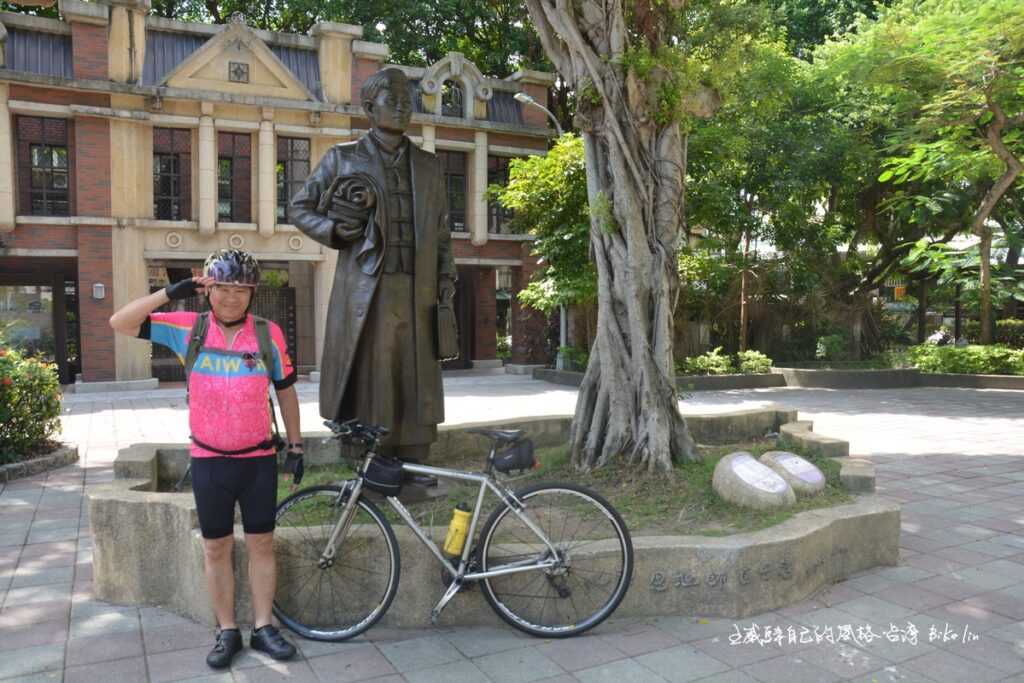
(353,489)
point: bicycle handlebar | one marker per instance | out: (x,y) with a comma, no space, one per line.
(354,431)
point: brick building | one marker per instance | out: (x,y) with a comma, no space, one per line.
(131,146)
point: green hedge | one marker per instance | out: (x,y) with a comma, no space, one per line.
(974,360)
(29,405)
(1009,332)
(715,362)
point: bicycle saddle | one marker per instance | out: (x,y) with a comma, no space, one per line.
(499,435)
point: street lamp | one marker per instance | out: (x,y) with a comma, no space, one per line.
(563,322)
(523,98)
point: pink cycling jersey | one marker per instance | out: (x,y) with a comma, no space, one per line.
(228,406)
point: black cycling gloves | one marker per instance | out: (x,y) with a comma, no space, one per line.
(181,290)
(293,464)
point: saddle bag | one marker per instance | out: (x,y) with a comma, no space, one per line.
(518,456)
(384,475)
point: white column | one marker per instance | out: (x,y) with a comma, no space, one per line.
(478,200)
(267,189)
(429,139)
(6,165)
(323,282)
(207,176)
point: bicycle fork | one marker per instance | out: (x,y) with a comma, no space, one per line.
(350,494)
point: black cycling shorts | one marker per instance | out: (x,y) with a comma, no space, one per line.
(218,483)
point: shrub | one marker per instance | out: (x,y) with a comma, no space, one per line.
(753,363)
(713,362)
(832,346)
(29,405)
(1009,331)
(575,359)
(980,360)
(504,347)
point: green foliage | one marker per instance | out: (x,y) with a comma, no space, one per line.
(1009,331)
(549,197)
(833,346)
(753,362)
(504,346)
(29,405)
(714,362)
(981,360)
(575,358)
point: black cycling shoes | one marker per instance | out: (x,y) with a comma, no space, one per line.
(268,639)
(229,644)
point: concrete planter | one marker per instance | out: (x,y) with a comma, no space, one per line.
(849,379)
(147,548)
(683,382)
(65,455)
(934,379)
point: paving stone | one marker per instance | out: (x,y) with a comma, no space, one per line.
(32,594)
(734,676)
(43,577)
(103,648)
(950,586)
(32,635)
(487,640)
(642,641)
(946,666)
(179,665)
(689,629)
(623,671)
(791,668)
(895,673)
(903,574)
(527,664)
(581,652)
(962,613)
(843,660)
(722,649)
(103,624)
(32,660)
(868,583)
(455,672)
(353,664)
(992,652)
(292,672)
(875,610)
(912,597)
(420,653)
(33,613)
(170,638)
(683,662)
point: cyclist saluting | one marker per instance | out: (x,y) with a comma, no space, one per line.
(231,358)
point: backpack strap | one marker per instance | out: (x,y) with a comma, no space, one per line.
(197,337)
(265,345)
(267,356)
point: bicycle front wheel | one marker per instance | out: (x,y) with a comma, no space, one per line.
(334,599)
(593,561)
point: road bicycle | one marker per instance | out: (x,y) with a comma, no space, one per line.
(552,559)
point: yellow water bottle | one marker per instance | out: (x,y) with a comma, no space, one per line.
(457,530)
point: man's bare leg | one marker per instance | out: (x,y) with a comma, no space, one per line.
(262,576)
(220,578)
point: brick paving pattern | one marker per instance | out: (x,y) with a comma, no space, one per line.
(953,458)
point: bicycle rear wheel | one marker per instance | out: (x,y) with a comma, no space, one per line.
(341,598)
(595,561)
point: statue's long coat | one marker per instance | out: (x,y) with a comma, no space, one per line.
(358,270)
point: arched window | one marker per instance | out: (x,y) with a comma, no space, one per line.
(452,100)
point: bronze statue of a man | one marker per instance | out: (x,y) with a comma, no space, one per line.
(381,202)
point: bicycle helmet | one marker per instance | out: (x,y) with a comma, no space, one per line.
(233,266)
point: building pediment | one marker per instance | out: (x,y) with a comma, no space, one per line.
(236,60)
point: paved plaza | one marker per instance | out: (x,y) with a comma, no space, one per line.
(954,459)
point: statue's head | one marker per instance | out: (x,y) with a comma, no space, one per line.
(387,101)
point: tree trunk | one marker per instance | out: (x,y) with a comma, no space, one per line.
(744,313)
(985,301)
(922,310)
(627,408)
(979,223)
